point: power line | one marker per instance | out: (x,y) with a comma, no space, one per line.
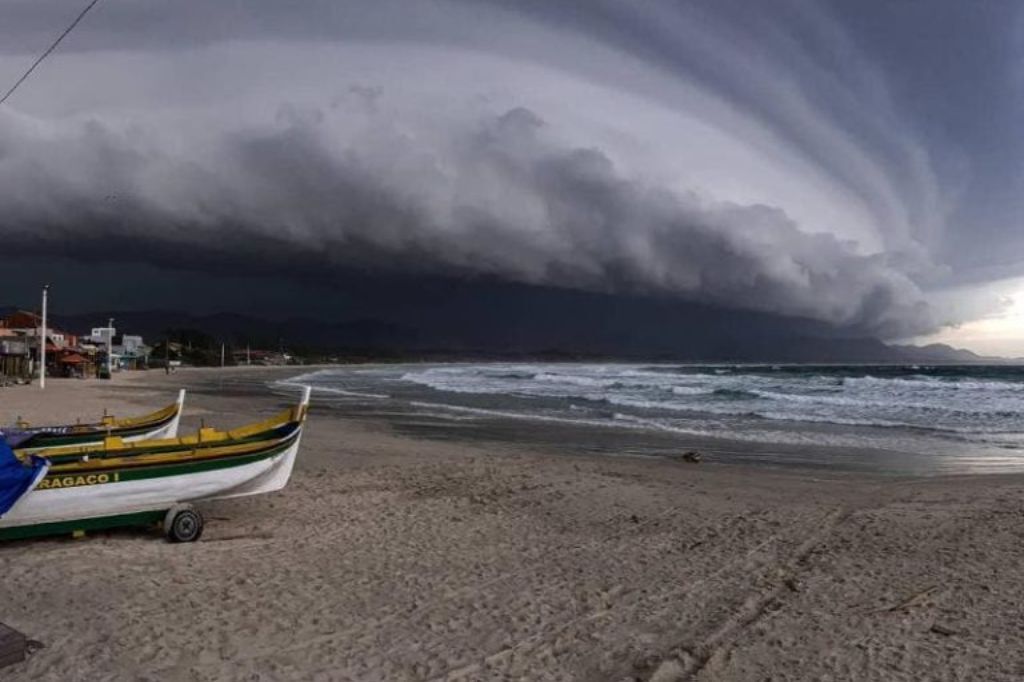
(50,49)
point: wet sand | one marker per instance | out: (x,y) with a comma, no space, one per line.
(398,558)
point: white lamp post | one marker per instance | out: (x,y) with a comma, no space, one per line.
(110,348)
(42,342)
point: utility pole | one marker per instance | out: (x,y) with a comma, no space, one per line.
(42,341)
(110,348)
(222,354)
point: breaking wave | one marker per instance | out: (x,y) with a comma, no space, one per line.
(905,408)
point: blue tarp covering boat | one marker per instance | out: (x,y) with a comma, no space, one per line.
(15,437)
(17,477)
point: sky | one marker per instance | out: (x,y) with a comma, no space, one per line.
(857,164)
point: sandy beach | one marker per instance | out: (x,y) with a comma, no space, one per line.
(394,558)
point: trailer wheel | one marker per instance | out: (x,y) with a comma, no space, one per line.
(183,524)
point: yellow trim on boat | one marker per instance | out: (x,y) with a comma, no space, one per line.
(175,457)
(159,415)
(98,456)
(205,435)
(111,422)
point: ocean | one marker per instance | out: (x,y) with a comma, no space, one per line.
(883,419)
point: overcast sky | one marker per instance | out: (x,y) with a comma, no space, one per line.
(857,163)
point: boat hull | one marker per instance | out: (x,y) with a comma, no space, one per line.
(49,438)
(85,501)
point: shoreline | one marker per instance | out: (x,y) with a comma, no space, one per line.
(399,558)
(214,395)
(808,447)
(795,419)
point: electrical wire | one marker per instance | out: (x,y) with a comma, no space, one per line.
(50,49)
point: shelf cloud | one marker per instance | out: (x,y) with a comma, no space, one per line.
(759,158)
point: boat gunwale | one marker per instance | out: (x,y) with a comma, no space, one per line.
(164,414)
(49,438)
(213,436)
(162,446)
(215,450)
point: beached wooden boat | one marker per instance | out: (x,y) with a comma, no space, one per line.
(160,424)
(120,483)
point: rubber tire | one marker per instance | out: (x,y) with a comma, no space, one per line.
(185,526)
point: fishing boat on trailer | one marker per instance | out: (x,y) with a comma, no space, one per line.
(127,484)
(38,440)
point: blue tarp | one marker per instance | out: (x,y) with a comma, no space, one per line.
(17,477)
(16,437)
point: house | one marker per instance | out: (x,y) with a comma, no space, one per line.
(24,326)
(76,365)
(15,360)
(21,320)
(100,335)
(130,352)
(25,323)
(67,355)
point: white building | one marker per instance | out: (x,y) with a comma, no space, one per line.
(130,345)
(100,335)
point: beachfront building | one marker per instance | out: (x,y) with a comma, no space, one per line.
(24,323)
(100,335)
(67,354)
(15,360)
(22,329)
(130,352)
(77,365)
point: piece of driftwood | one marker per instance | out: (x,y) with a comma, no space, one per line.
(940,629)
(913,600)
(12,646)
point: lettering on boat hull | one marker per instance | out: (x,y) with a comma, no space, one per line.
(76,480)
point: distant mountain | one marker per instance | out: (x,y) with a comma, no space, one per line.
(646,331)
(940,353)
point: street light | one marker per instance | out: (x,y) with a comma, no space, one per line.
(42,342)
(110,348)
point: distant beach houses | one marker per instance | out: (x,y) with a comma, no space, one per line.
(67,354)
(85,355)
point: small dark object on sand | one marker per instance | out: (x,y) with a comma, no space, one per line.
(692,457)
(943,630)
(634,518)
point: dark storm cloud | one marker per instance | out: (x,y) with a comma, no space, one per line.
(726,153)
(280,202)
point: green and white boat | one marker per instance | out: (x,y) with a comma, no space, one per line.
(119,483)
